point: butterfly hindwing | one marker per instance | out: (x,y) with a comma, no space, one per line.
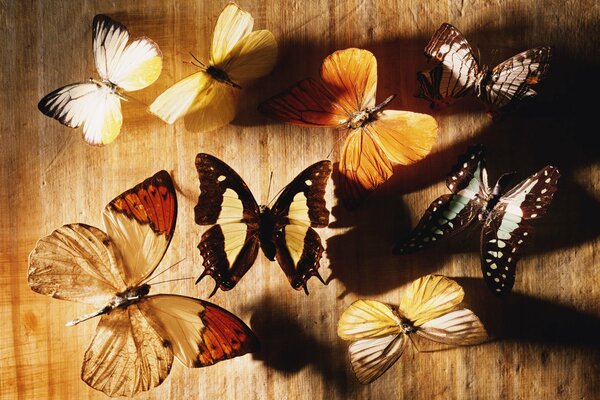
(457,328)
(506,229)
(451,213)
(230,247)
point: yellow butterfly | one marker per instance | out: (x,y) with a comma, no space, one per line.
(122,67)
(430,308)
(209,97)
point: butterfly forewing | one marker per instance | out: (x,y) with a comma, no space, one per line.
(76,262)
(511,80)
(451,213)
(459,70)
(506,229)
(141,222)
(365,319)
(229,248)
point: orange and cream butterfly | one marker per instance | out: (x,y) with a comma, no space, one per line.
(138,334)
(96,105)
(430,308)
(458,73)
(208,98)
(345,98)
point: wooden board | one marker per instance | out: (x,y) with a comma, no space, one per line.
(547,331)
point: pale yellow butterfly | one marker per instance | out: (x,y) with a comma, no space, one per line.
(96,105)
(237,55)
(430,308)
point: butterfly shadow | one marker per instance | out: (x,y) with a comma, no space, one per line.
(288,347)
(523,318)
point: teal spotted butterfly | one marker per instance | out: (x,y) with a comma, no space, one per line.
(504,215)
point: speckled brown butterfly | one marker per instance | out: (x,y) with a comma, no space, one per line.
(504,215)
(458,73)
(240,225)
(138,334)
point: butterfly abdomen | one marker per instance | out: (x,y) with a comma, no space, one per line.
(221,76)
(267,229)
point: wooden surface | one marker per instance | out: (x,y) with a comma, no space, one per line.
(547,331)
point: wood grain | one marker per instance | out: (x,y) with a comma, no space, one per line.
(547,331)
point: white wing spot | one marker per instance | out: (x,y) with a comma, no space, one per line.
(496,279)
(548,180)
(520,241)
(461,173)
(525,233)
(221,178)
(501,244)
(544,190)
(533,215)
(308,182)
(493,266)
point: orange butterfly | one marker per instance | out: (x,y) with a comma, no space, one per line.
(345,99)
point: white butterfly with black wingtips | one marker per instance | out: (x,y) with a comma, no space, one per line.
(96,104)
(504,215)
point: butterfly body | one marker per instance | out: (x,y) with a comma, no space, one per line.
(240,226)
(504,215)
(221,76)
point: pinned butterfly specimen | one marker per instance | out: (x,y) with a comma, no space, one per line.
(430,308)
(237,56)
(96,104)
(458,73)
(138,334)
(344,98)
(504,214)
(240,226)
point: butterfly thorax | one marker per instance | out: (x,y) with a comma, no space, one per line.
(130,296)
(482,77)
(497,193)
(363,117)
(221,76)
(267,228)
(407,326)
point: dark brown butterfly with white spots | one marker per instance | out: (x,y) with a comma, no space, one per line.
(459,73)
(504,215)
(240,225)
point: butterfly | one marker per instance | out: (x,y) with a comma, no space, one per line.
(458,73)
(430,308)
(237,55)
(504,214)
(240,226)
(344,98)
(122,67)
(138,334)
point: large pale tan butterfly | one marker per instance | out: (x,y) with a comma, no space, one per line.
(237,55)
(344,98)
(138,334)
(96,105)
(430,308)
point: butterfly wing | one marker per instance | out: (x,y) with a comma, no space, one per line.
(457,328)
(130,67)
(430,297)
(456,73)
(512,80)
(200,333)
(230,247)
(379,341)
(506,229)
(127,354)
(233,25)
(300,207)
(78,263)
(451,213)
(91,105)
(141,222)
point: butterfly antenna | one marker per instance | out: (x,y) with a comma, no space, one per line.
(202,65)
(269,187)
(174,280)
(276,195)
(163,271)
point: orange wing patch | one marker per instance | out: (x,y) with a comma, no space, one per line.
(224,336)
(151,202)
